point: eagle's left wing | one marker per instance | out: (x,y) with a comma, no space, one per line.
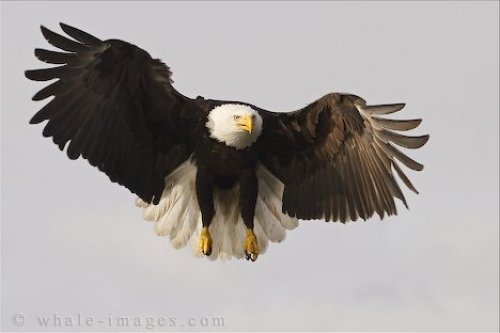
(336,158)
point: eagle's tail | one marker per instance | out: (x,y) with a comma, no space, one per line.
(178,215)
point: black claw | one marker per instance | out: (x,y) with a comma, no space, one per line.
(209,252)
(250,256)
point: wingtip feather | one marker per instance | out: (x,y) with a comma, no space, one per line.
(32,74)
(80,35)
(67,28)
(384,108)
(45,31)
(35,120)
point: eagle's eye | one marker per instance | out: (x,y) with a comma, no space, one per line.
(236,117)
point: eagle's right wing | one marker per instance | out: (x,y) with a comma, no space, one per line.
(115,106)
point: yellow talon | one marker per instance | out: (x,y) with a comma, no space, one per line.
(251,246)
(205,243)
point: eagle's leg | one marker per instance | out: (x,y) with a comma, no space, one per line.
(205,193)
(248,199)
(205,242)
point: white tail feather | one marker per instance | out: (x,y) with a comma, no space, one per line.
(190,222)
(272,226)
(178,216)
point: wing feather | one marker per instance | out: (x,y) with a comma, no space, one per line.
(81,36)
(54,57)
(397,125)
(404,178)
(392,151)
(337,158)
(48,91)
(383,109)
(61,42)
(114,105)
(412,142)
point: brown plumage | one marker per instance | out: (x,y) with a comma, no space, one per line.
(336,158)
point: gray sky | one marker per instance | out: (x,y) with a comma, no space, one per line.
(73,243)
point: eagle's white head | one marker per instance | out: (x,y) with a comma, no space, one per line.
(236,125)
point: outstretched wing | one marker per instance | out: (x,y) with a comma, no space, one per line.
(336,158)
(116,107)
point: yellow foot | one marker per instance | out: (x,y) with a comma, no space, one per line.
(251,246)
(205,243)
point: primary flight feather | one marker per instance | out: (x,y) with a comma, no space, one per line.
(226,176)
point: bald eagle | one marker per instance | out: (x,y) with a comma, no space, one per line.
(226,177)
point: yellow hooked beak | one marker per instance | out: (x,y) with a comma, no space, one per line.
(245,122)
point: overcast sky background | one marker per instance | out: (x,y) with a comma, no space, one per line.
(73,242)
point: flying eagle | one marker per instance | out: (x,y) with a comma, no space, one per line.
(228,172)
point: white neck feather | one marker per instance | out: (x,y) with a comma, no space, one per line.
(222,126)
